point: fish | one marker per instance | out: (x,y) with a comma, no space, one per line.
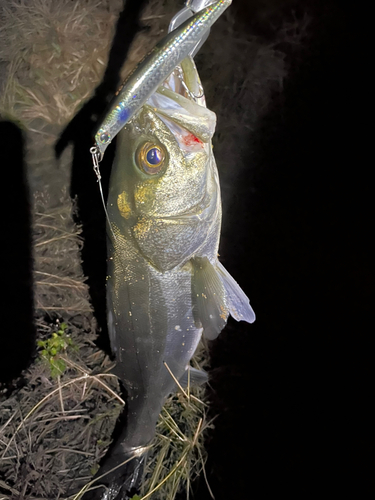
(155,67)
(165,284)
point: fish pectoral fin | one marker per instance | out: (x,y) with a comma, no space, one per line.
(208,298)
(238,303)
(196,377)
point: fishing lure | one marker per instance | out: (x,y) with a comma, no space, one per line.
(154,69)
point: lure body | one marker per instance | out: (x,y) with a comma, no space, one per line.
(154,69)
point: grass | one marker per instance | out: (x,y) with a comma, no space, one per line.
(49,425)
(47,45)
(55,430)
(58,279)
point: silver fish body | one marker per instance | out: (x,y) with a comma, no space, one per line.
(165,285)
(149,286)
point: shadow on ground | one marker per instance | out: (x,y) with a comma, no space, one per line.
(17,326)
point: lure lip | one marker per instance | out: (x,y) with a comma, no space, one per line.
(153,70)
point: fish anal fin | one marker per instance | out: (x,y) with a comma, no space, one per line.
(208,297)
(238,303)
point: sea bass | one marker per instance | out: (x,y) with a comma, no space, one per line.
(165,284)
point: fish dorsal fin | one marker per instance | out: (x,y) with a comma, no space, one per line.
(196,377)
(208,298)
(238,303)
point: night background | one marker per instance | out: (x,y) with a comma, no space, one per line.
(293,393)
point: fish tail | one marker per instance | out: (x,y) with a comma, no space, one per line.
(118,479)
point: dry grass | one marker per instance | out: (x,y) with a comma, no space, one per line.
(59,282)
(54,431)
(48,46)
(57,52)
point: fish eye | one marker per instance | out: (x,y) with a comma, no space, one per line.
(151,158)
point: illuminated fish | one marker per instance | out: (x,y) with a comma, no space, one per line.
(165,284)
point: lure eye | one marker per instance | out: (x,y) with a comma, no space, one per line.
(151,158)
(104,138)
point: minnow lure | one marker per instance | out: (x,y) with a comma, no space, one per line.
(154,69)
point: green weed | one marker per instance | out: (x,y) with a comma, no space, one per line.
(53,347)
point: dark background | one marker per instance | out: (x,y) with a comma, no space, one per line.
(293,392)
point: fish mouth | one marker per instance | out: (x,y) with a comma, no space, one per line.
(184,80)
